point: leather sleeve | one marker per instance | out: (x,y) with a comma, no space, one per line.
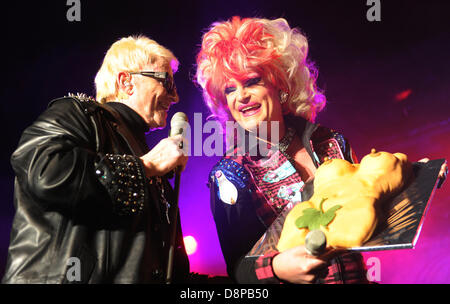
(55,158)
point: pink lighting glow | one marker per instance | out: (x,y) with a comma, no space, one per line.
(403,95)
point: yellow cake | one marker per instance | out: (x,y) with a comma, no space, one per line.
(356,192)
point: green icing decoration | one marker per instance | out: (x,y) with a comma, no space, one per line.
(313,218)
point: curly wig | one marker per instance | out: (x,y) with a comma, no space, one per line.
(233,48)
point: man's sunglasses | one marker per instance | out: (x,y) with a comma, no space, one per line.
(163,77)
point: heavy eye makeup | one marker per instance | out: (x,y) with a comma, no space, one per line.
(248,83)
(252,81)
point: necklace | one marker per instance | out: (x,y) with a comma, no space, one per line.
(286,140)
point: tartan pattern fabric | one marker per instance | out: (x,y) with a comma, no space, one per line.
(346,269)
(270,206)
(329,143)
(264,270)
(329,148)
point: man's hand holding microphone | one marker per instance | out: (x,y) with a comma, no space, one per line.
(170,153)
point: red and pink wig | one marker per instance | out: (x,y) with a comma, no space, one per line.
(237,47)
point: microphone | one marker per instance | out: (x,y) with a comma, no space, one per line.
(315,242)
(177,126)
(178,123)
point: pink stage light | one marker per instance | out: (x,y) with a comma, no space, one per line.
(402,95)
(190,244)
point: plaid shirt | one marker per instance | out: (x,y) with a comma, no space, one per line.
(234,223)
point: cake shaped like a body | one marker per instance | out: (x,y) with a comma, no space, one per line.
(347,197)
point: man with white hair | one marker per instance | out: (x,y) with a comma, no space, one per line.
(92,200)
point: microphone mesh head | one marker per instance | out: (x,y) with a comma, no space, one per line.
(177,123)
(179,116)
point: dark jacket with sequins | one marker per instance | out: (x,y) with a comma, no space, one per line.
(85,212)
(241,223)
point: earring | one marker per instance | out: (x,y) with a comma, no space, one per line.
(283,97)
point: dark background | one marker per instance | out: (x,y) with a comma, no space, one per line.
(362,67)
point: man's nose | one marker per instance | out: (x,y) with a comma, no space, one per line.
(242,95)
(174,98)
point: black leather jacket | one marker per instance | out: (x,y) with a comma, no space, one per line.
(79,193)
